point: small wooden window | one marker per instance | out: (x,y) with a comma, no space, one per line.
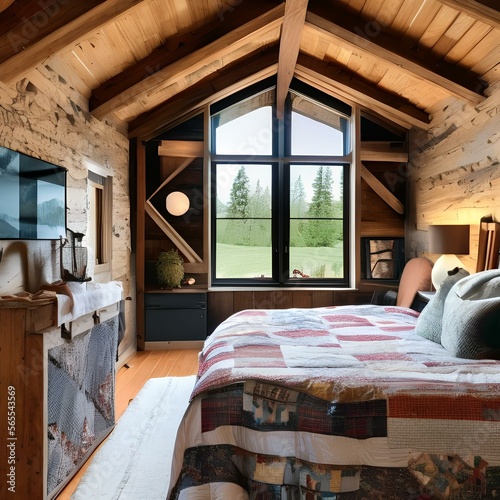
(100,224)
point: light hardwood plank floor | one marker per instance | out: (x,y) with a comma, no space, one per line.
(130,379)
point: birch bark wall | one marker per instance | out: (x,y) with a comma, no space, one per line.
(51,122)
(454,170)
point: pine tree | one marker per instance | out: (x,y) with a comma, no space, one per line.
(240,195)
(298,205)
(317,233)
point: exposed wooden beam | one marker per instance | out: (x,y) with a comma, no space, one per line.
(214,87)
(382,191)
(181,149)
(344,28)
(4,4)
(31,42)
(295,15)
(208,58)
(488,12)
(384,151)
(177,47)
(360,91)
(174,236)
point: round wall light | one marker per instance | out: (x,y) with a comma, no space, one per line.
(177,203)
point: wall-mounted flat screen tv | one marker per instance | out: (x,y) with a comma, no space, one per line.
(32,198)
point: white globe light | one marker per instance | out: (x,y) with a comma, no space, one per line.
(177,203)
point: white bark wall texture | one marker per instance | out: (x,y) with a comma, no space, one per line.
(47,119)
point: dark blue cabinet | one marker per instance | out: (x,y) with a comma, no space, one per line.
(175,316)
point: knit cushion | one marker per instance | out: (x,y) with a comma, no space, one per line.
(429,323)
(471,318)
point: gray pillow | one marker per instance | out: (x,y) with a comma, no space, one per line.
(429,322)
(471,319)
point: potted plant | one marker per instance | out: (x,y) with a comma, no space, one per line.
(170,269)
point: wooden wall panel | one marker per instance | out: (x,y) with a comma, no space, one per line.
(220,306)
(453,174)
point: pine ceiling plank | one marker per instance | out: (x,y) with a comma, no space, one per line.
(406,15)
(453,34)
(443,20)
(214,87)
(471,38)
(193,62)
(291,33)
(371,9)
(135,107)
(62,33)
(356,5)
(484,55)
(415,90)
(361,91)
(419,23)
(387,12)
(176,47)
(457,81)
(480,11)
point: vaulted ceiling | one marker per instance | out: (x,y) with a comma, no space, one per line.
(143,63)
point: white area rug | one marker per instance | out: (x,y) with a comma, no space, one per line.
(134,462)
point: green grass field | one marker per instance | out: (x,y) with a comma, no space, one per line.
(252,262)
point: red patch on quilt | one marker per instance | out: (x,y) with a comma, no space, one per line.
(365,338)
(398,328)
(252,355)
(383,356)
(343,320)
(402,310)
(294,334)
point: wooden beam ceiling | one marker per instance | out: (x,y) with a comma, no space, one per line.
(47,28)
(360,91)
(176,48)
(31,31)
(295,15)
(345,29)
(216,86)
(487,12)
(207,58)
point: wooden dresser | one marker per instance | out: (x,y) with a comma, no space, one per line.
(56,395)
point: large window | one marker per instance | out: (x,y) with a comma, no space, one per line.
(280,192)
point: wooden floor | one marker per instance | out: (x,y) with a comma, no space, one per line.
(130,379)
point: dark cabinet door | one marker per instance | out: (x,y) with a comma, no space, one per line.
(173,316)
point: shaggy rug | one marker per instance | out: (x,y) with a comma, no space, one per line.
(134,462)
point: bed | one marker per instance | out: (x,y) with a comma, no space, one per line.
(343,402)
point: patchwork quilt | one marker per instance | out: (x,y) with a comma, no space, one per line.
(337,403)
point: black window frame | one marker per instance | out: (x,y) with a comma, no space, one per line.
(281,161)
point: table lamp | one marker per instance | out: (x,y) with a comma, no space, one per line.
(447,240)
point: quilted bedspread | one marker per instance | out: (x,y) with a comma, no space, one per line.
(340,403)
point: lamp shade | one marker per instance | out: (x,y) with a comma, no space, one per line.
(177,203)
(447,240)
